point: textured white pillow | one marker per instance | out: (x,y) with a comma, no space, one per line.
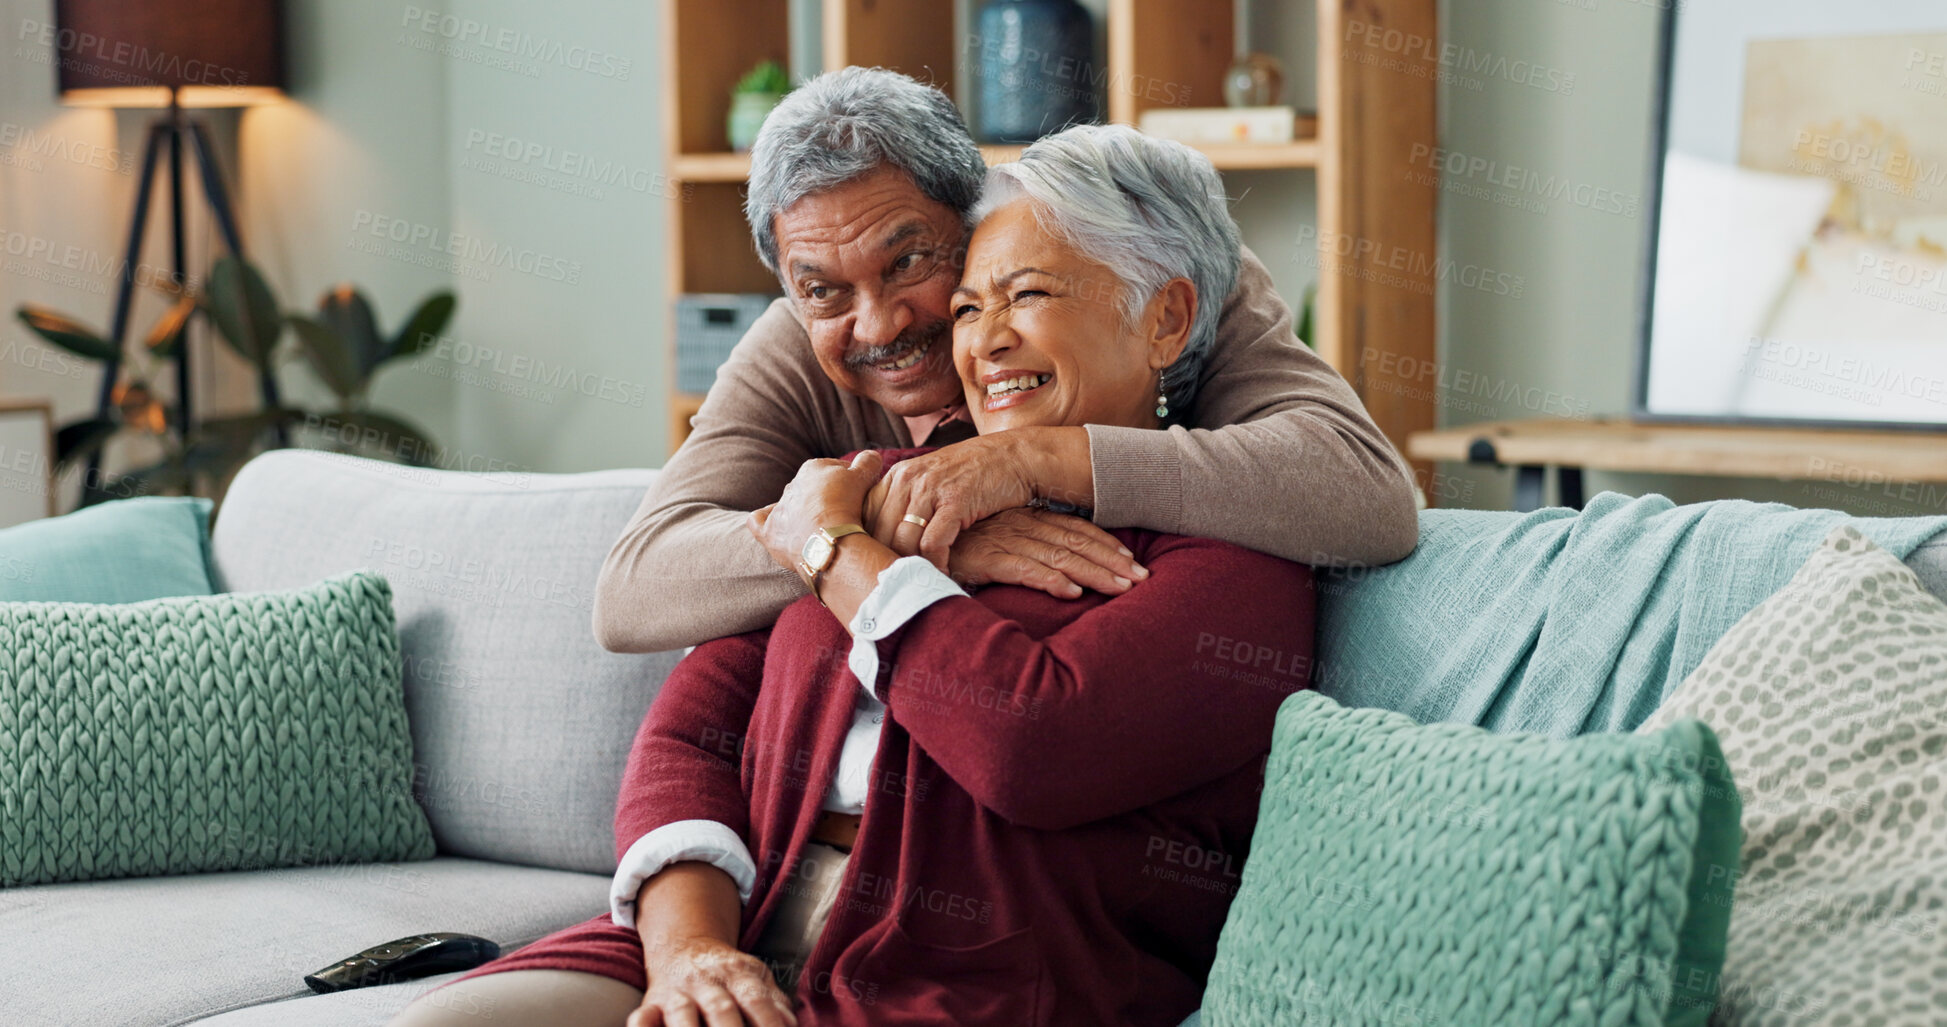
(1830,700)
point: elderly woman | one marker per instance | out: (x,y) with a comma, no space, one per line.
(905,804)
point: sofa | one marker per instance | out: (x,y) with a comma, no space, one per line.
(520,726)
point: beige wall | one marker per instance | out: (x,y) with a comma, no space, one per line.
(425,150)
(393,121)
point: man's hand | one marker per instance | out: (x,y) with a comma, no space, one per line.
(702,982)
(1056,553)
(825,493)
(954,486)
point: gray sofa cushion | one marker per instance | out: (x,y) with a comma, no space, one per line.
(364,1007)
(521,723)
(170,950)
(1929,563)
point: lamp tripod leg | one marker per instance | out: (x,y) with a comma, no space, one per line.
(125,295)
(179,264)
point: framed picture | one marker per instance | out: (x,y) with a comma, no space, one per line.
(26,460)
(1797,265)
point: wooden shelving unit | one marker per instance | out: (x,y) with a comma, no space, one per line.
(1370,117)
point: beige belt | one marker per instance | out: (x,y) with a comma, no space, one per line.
(808,897)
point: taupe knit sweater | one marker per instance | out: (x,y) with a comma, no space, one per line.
(1280,457)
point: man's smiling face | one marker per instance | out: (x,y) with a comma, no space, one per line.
(871,265)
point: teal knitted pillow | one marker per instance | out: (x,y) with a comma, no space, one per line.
(1439,874)
(224,732)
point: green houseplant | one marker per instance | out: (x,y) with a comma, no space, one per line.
(198,455)
(345,347)
(136,408)
(752,99)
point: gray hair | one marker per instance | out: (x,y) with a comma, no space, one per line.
(846,124)
(1149,208)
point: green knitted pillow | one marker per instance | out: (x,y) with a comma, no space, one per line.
(225,732)
(1440,874)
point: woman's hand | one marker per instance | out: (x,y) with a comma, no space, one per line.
(956,486)
(824,494)
(1056,553)
(949,488)
(703,982)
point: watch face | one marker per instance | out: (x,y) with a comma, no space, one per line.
(817,552)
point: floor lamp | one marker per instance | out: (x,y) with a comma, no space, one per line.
(175,55)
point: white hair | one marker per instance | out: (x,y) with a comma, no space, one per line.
(846,124)
(1148,208)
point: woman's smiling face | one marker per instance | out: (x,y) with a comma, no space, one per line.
(1039,337)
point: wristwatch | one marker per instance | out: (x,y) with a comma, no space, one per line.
(818,552)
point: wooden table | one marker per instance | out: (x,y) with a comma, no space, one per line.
(1826,454)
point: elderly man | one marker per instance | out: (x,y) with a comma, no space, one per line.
(861,184)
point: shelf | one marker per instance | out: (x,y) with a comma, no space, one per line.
(710,167)
(1248,157)
(1372,118)
(735,167)
(1239,157)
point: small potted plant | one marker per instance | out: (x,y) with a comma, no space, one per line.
(751,101)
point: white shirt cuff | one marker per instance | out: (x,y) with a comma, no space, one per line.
(909,585)
(705,841)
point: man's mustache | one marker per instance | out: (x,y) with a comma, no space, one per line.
(908,340)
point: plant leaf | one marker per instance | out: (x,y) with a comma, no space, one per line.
(398,440)
(217,458)
(166,336)
(422,329)
(349,314)
(328,355)
(79,440)
(67,333)
(148,481)
(140,408)
(766,77)
(1304,328)
(242,431)
(244,309)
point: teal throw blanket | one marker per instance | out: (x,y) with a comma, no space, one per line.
(1559,623)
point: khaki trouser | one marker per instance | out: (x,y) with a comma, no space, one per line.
(547,997)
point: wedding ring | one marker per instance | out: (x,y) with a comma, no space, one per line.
(915,519)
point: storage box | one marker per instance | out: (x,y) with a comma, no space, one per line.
(708,326)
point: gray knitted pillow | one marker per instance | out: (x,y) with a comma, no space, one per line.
(225,732)
(1830,700)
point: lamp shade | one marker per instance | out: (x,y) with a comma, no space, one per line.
(135,53)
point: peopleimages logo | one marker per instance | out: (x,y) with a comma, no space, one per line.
(1460,59)
(1399,266)
(523,157)
(522,45)
(78,47)
(1456,164)
(43,259)
(22,141)
(471,253)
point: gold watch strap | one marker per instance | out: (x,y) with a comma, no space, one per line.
(831,534)
(836,532)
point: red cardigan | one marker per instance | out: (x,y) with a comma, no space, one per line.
(1062,799)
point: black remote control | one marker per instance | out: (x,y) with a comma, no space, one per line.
(406,959)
